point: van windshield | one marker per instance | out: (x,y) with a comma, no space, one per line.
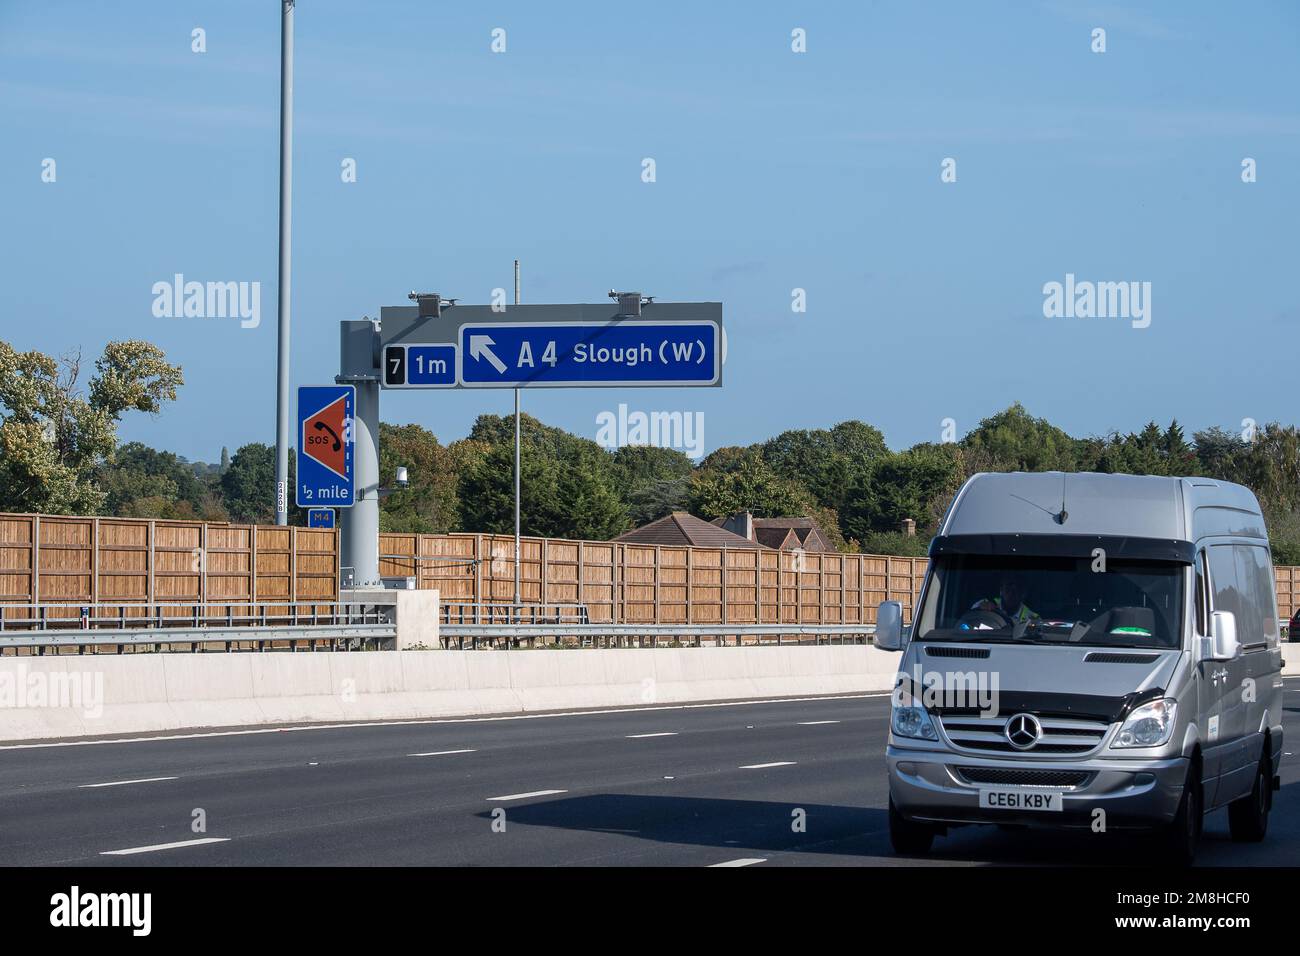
(1081,600)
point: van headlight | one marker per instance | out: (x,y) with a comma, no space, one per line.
(913,721)
(1149,725)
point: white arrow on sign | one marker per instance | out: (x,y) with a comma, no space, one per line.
(479,347)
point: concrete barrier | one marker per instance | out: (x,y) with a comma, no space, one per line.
(65,696)
(43,698)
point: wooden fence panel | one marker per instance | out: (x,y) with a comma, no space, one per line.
(128,565)
(647,584)
(1288,590)
(597,570)
(17,561)
(741,586)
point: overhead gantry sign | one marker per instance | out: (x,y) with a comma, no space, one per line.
(628,342)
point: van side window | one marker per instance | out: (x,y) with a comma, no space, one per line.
(1201,597)
(1255,580)
(1223,580)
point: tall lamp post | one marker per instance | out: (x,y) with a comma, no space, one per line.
(286,192)
(517,593)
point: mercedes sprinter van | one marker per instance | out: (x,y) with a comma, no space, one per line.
(1093,651)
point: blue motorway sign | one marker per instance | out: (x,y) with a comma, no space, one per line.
(326,475)
(320,517)
(630,352)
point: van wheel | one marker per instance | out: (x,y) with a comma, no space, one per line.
(908,838)
(1248,817)
(1182,834)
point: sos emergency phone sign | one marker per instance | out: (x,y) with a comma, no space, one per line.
(326,474)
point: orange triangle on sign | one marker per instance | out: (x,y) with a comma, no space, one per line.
(323,436)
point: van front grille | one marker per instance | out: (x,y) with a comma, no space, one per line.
(1006,776)
(1061,735)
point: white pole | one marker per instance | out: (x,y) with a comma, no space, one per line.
(286,193)
(517,594)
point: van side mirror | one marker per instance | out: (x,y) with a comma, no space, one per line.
(1224,645)
(889,626)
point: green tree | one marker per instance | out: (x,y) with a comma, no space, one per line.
(1178,453)
(916,484)
(1219,452)
(54,438)
(431,503)
(726,458)
(652,482)
(569,497)
(1013,440)
(826,461)
(141,482)
(1271,466)
(749,485)
(248,486)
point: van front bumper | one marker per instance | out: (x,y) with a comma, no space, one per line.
(931,786)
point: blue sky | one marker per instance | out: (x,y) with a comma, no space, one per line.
(775,171)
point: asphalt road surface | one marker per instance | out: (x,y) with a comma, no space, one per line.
(677,786)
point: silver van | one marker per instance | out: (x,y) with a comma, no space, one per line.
(1095,651)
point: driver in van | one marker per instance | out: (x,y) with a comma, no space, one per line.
(1010,602)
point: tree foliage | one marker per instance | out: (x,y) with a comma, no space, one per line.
(747,483)
(431,503)
(54,438)
(1013,440)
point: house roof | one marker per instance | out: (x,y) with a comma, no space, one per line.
(683,528)
(787,533)
(774,537)
(784,523)
(805,531)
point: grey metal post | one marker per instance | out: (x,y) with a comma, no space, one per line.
(517,592)
(286,193)
(359,525)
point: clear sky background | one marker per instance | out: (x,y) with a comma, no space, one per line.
(775,170)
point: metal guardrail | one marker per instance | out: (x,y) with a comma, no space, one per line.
(127,615)
(641,635)
(167,623)
(351,636)
(486,623)
(469,613)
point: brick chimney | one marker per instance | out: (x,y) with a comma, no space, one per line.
(741,523)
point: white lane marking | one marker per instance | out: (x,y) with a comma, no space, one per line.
(746,861)
(442,753)
(442,720)
(816,723)
(525,796)
(764,766)
(164,846)
(666,733)
(123,783)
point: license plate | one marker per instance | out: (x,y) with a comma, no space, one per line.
(1048,800)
